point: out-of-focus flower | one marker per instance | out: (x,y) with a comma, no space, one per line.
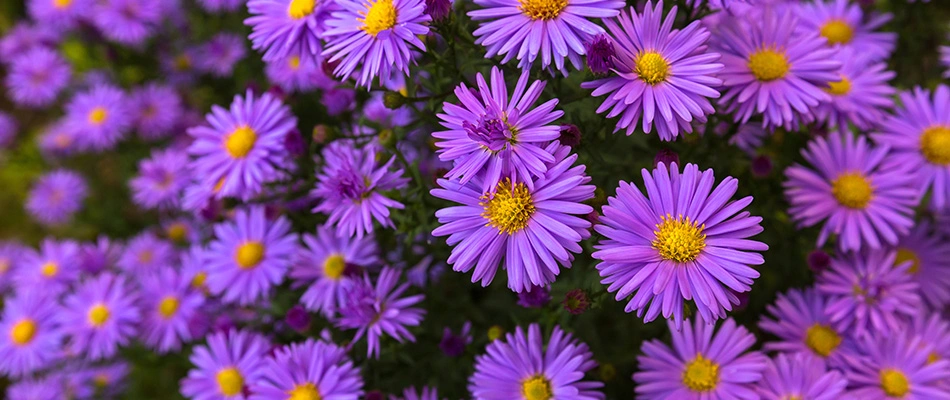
(380,309)
(326,266)
(314,369)
(35,78)
(226,366)
(56,196)
(101,315)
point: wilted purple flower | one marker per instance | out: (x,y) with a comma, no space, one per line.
(380,309)
(576,301)
(534,297)
(600,53)
(454,345)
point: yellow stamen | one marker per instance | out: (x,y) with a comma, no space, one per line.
(294,62)
(379,16)
(301,8)
(146,256)
(679,239)
(837,31)
(536,388)
(98,315)
(904,255)
(23,332)
(701,374)
(230,381)
(249,254)
(495,332)
(821,339)
(894,383)
(769,64)
(852,190)
(241,141)
(334,266)
(935,144)
(306,391)
(61,4)
(652,67)
(509,209)
(50,269)
(98,116)
(199,280)
(839,88)
(933,357)
(177,232)
(168,306)
(542,9)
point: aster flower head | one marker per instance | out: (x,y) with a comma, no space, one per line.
(51,269)
(25,36)
(30,335)
(861,95)
(298,74)
(491,135)
(59,14)
(220,54)
(241,148)
(220,6)
(535,297)
(533,227)
(8,130)
(375,35)
(799,322)
(127,22)
(933,332)
(772,71)
(850,189)
(800,376)
(600,53)
(36,77)
(161,180)
(249,255)
(894,365)
(226,366)
(929,256)
(662,75)
(380,309)
(56,196)
(325,265)
(99,255)
(288,28)
(314,369)
(350,186)
(146,252)
(553,30)
(868,293)
(685,240)
(844,26)
(168,302)
(11,254)
(919,137)
(157,110)
(101,315)
(704,362)
(524,366)
(101,116)
(46,388)
(410,393)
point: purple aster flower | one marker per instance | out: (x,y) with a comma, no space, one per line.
(288,28)
(30,335)
(8,130)
(161,180)
(684,240)
(100,115)
(338,100)
(51,269)
(600,54)
(818,261)
(349,188)
(146,252)
(127,22)
(929,256)
(439,10)
(226,366)
(168,305)
(298,74)
(99,256)
(799,322)
(535,297)
(380,309)
(220,54)
(454,345)
(59,14)
(45,388)
(242,146)
(895,366)
(157,109)
(919,137)
(867,293)
(325,265)
(576,301)
(671,73)
(490,134)
(843,25)
(36,77)
(314,369)
(220,6)
(297,318)
(945,60)
(182,230)
(58,140)
(769,70)
(11,254)
(409,393)
(800,376)
(522,366)
(749,138)
(101,315)
(534,227)
(375,35)
(25,36)
(704,363)
(110,379)
(249,255)
(56,196)
(861,95)
(864,203)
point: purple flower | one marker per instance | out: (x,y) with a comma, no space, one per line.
(11,254)
(100,316)
(522,366)
(146,253)
(934,333)
(156,109)
(45,388)
(8,130)
(843,25)
(220,6)
(56,196)
(314,369)
(535,297)
(454,345)
(799,322)
(51,269)
(818,261)
(861,95)
(100,116)
(127,22)
(531,229)
(703,363)
(220,54)
(666,157)
(58,140)
(600,54)
(325,265)
(288,28)
(895,365)
(30,335)
(576,301)
(59,14)
(168,304)
(298,74)
(685,240)
(671,76)
(36,77)
(99,256)
(749,138)
(800,376)
(945,60)
(338,100)
(427,393)
(861,201)
(438,9)
(25,36)
(380,309)
(297,318)
(929,256)
(161,180)
(226,366)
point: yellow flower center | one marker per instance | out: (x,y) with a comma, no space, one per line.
(508,209)
(98,115)
(4,265)
(50,269)
(199,280)
(168,306)
(837,31)
(379,16)
(768,65)
(821,339)
(894,383)
(294,62)
(495,332)
(218,185)
(536,388)
(249,254)
(935,144)
(306,391)
(652,67)
(904,255)
(701,374)
(101,380)
(98,315)
(182,62)
(241,141)
(933,357)
(852,190)
(542,9)
(146,256)
(61,4)
(334,266)
(839,88)
(301,8)
(679,239)
(793,397)
(177,232)
(23,332)
(230,381)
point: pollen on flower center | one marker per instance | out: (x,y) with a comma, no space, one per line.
(837,31)
(839,88)
(177,232)
(98,115)
(241,141)
(821,339)
(301,8)
(23,331)
(935,144)
(652,67)
(61,4)
(379,16)
(334,266)
(230,381)
(199,280)
(509,209)
(294,62)
(894,383)
(768,65)
(146,256)
(50,269)
(306,391)
(536,388)
(542,9)
(933,357)
(701,374)
(904,255)
(852,190)
(249,254)
(168,306)
(679,239)
(98,315)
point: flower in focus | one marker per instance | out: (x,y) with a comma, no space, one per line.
(156,109)
(224,367)
(324,265)
(100,316)
(56,196)
(800,376)
(36,77)
(146,252)
(685,240)
(30,335)
(861,95)
(168,305)
(799,321)
(314,369)
(380,309)
(600,53)
(895,365)
(100,116)
(51,269)
(162,179)
(843,25)
(288,28)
